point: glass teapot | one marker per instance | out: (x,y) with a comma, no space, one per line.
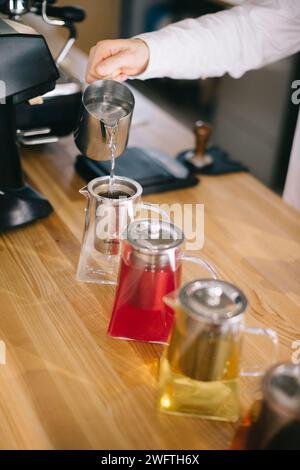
(106,217)
(273,422)
(150,268)
(200,369)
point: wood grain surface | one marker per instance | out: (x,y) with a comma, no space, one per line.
(65,384)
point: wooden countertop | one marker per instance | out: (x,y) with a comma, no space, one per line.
(66,385)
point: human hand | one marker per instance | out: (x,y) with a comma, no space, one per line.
(117,59)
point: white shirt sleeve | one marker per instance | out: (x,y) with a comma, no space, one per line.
(232,41)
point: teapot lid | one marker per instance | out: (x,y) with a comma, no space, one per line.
(212,300)
(152,235)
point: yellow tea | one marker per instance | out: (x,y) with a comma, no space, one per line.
(199,372)
(212,400)
(200,369)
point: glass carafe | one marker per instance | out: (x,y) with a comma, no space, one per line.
(273,423)
(150,268)
(106,217)
(200,369)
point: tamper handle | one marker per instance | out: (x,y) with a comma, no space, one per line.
(203,133)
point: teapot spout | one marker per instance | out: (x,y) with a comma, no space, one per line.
(84,191)
(171,299)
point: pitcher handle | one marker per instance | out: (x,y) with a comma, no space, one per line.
(202,262)
(258,371)
(153,208)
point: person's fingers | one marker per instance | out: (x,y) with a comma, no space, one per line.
(102,51)
(90,78)
(113,75)
(117,59)
(110,66)
(121,78)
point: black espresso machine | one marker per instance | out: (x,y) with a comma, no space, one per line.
(39,101)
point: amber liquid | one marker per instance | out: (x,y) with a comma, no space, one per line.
(199,374)
(240,439)
(260,430)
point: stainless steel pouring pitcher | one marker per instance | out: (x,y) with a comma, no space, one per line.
(106,104)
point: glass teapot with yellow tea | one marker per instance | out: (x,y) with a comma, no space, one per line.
(200,369)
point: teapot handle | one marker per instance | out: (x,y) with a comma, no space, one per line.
(172,298)
(259,370)
(155,209)
(202,262)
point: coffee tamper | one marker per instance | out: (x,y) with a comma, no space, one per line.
(198,157)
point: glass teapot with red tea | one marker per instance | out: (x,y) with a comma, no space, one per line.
(151,267)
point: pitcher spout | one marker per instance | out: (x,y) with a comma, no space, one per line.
(85,192)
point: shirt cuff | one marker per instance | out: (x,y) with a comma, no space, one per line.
(154,68)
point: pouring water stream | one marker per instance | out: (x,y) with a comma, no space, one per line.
(110,113)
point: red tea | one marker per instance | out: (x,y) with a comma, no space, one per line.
(139,312)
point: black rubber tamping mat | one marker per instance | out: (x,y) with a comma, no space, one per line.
(155,171)
(221,164)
